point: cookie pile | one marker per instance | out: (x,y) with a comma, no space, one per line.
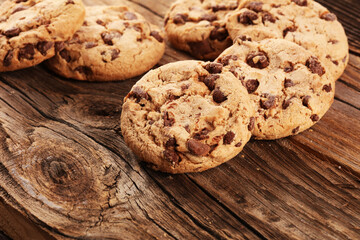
(95,47)
(275,77)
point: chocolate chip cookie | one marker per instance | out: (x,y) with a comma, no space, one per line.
(289,86)
(304,22)
(31,30)
(187,117)
(114,43)
(198,26)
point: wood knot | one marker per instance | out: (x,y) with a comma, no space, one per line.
(58,171)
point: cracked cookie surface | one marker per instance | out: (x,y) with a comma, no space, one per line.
(186,117)
(198,26)
(31,30)
(288,85)
(304,22)
(114,43)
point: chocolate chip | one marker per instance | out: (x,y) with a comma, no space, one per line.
(255,6)
(251,85)
(139,94)
(336,62)
(27,52)
(219,33)
(200,48)
(288,83)
(109,36)
(239,144)
(171,143)
(216,8)
(300,2)
(187,128)
(251,125)
(295,130)
(225,60)
(315,66)
(214,67)
(197,148)
(168,122)
(218,96)
(69,2)
(247,17)
(229,138)
(100,22)
(157,36)
(244,38)
(286,103)
(306,101)
(59,46)
(328,16)
(327,88)
(289,68)
(289,29)
(65,54)
(268,103)
(12,32)
(208,17)
(314,118)
(114,54)
(84,69)
(90,45)
(19,1)
(130,16)
(44,46)
(268,17)
(257,60)
(180,18)
(8,57)
(171,156)
(203,134)
(209,81)
(20,8)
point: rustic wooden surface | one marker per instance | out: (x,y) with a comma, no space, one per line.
(65,172)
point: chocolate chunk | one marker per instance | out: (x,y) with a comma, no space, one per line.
(251,85)
(229,138)
(84,69)
(239,144)
(327,88)
(218,96)
(247,17)
(306,101)
(328,16)
(255,6)
(244,38)
(69,2)
(8,57)
(209,81)
(315,66)
(214,67)
(27,52)
(200,48)
(130,16)
(225,60)
(65,54)
(286,103)
(268,103)
(257,60)
(180,18)
(12,32)
(203,134)
(219,33)
(288,83)
(157,36)
(44,46)
(336,62)
(168,122)
(289,29)
(171,143)
(20,8)
(139,94)
(300,2)
(289,68)
(197,148)
(251,125)
(216,8)
(187,128)
(100,22)
(268,17)
(295,130)
(59,46)
(114,54)
(171,156)
(314,118)
(90,45)
(208,17)
(109,36)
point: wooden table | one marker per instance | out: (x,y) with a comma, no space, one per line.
(65,172)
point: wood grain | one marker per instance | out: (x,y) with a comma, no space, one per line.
(66,173)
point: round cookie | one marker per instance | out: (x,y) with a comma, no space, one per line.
(114,43)
(186,117)
(288,85)
(304,22)
(32,30)
(198,26)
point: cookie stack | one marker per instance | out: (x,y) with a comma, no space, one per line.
(276,79)
(92,43)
